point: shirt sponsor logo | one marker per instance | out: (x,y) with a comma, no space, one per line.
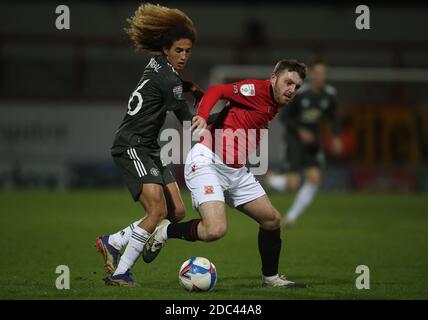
(208,189)
(154,65)
(235,89)
(248,90)
(178,92)
(311,115)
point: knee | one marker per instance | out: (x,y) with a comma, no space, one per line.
(215,233)
(158,212)
(272,221)
(293,184)
(313,176)
(315,181)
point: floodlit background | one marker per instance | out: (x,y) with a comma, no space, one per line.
(63,93)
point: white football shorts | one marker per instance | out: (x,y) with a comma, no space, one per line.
(209,179)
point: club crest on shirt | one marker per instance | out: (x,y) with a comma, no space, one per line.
(208,189)
(178,92)
(154,172)
(248,90)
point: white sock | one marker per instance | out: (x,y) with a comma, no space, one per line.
(165,233)
(304,198)
(133,250)
(278,182)
(120,239)
(271,278)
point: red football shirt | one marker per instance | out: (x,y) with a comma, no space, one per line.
(237,131)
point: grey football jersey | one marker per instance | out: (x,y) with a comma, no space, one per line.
(160,90)
(307,109)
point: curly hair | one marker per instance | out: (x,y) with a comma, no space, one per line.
(154,27)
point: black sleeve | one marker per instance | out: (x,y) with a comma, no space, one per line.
(213,117)
(187,86)
(195,90)
(183,113)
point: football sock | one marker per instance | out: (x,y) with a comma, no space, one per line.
(133,250)
(303,200)
(120,239)
(269,249)
(184,230)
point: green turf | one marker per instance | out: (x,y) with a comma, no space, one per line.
(388,233)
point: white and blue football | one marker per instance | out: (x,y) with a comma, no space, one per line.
(198,274)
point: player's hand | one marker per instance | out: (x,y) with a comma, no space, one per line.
(306,136)
(198,125)
(336,146)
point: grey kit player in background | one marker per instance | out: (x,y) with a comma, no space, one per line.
(301,120)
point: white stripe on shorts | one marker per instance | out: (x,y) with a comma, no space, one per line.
(136,164)
(139,161)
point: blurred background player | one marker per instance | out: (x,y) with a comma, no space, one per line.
(315,101)
(170,34)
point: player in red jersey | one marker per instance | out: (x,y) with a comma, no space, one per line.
(215,170)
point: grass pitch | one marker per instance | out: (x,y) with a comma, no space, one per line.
(387,233)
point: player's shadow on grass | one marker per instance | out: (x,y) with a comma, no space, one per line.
(249,282)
